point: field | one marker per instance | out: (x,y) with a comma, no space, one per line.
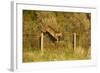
(55,55)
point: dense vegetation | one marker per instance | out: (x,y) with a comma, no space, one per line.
(65,22)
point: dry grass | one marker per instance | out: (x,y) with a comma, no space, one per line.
(55,55)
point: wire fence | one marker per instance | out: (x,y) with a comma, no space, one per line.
(66,41)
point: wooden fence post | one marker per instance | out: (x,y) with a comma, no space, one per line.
(74,41)
(42,42)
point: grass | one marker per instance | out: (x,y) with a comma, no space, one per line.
(54,55)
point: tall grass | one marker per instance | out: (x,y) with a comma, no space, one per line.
(55,55)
